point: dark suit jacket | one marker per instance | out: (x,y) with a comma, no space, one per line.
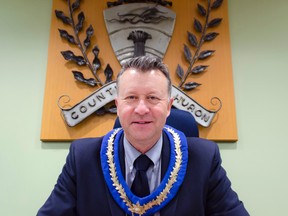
(81,188)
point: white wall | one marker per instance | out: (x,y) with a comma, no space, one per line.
(256,164)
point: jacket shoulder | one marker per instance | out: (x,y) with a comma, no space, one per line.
(86,147)
(202,147)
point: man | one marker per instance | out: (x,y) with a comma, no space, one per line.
(183,176)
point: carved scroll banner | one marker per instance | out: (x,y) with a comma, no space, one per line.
(107,94)
(89,41)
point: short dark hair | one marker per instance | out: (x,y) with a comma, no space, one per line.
(145,64)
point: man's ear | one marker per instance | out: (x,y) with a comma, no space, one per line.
(171,102)
(116,103)
(170,105)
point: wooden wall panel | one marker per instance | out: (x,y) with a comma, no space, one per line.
(217,81)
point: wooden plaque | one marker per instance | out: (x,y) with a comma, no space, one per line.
(216,81)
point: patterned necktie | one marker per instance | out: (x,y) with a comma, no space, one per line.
(140,185)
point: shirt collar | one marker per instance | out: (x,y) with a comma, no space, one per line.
(131,153)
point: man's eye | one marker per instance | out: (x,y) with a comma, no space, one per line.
(130,98)
(153,99)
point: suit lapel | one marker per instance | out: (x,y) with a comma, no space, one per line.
(114,207)
(121,154)
(165,155)
(170,208)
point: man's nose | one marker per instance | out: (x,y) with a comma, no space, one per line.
(142,107)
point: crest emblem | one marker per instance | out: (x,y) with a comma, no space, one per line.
(139,29)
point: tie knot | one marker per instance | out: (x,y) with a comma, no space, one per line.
(142,163)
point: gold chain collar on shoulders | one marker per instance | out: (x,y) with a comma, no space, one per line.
(136,208)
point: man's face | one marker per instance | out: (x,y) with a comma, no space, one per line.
(143,104)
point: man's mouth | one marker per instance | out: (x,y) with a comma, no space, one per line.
(142,122)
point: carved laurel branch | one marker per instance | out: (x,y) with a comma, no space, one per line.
(74,39)
(196,43)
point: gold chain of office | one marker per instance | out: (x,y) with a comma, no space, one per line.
(136,207)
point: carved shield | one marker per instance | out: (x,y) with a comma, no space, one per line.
(156,21)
